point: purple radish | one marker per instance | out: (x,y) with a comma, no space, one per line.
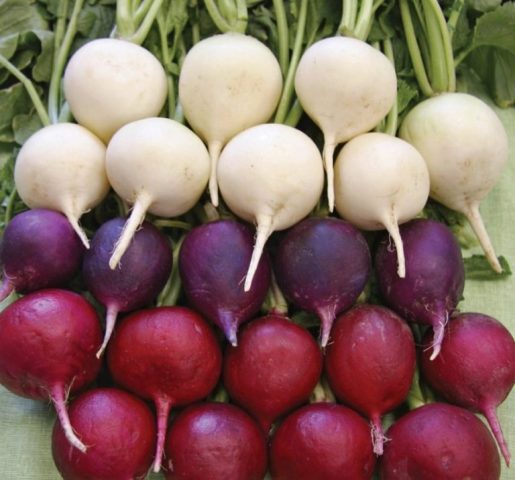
(168,355)
(439,441)
(215,441)
(370,363)
(119,429)
(475,368)
(213,260)
(136,281)
(322,441)
(274,369)
(322,266)
(39,249)
(435,275)
(47,349)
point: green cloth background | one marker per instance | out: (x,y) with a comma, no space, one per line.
(25,425)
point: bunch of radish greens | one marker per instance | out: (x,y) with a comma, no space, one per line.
(235,234)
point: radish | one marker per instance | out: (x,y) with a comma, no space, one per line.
(233,77)
(120,431)
(62,167)
(136,281)
(270,175)
(346,87)
(322,266)
(47,349)
(110,82)
(435,275)
(158,166)
(441,441)
(475,368)
(380,182)
(274,369)
(168,355)
(215,441)
(465,147)
(323,441)
(213,260)
(370,363)
(39,249)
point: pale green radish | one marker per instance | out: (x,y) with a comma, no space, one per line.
(465,146)
(270,175)
(228,83)
(380,181)
(346,87)
(109,82)
(62,167)
(159,166)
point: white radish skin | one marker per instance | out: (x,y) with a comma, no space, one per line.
(228,83)
(110,82)
(380,182)
(270,175)
(62,167)
(159,166)
(465,147)
(346,87)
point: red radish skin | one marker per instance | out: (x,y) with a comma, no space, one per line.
(322,265)
(119,429)
(213,260)
(274,369)
(215,441)
(370,363)
(322,441)
(435,275)
(439,441)
(475,368)
(47,349)
(168,355)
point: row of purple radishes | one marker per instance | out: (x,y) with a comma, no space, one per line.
(168,355)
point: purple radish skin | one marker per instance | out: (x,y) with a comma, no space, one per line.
(322,265)
(475,368)
(47,349)
(136,281)
(213,260)
(39,249)
(370,363)
(435,276)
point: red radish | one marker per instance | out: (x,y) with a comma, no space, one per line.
(168,355)
(439,441)
(215,441)
(274,368)
(322,265)
(39,250)
(119,430)
(475,368)
(213,259)
(370,363)
(325,441)
(435,275)
(47,349)
(137,280)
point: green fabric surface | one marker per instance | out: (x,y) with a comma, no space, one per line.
(25,425)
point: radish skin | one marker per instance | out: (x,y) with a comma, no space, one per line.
(270,175)
(233,77)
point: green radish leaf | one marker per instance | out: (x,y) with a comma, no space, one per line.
(18,16)
(478,268)
(13,100)
(495,28)
(95,21)
(483,5)
(24,125)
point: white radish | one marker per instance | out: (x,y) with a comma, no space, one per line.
(159,166)
(346,87)
(380,181)
(109,82)
(270,175)
(62,167)
(465,146)
(228,83)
